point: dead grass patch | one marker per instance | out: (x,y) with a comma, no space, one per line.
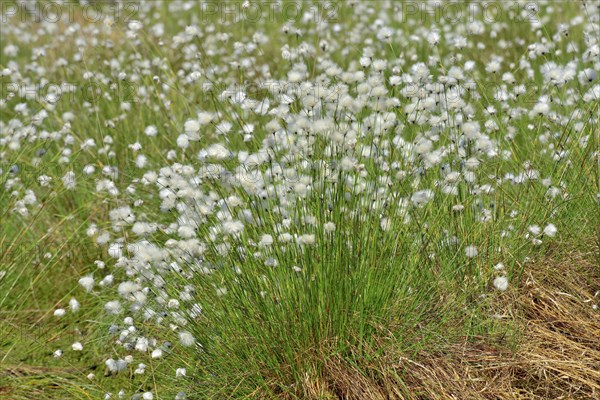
(557,356)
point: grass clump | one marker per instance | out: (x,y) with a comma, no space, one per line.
(197,203)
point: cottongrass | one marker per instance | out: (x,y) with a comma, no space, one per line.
(354,205)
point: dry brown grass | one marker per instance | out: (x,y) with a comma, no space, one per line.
(557,355)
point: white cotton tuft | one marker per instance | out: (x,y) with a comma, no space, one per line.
(113,307)
(141,368)
(422,197)
(151,131)
(183,141)
(128,287)
(191,126)
(266,240)
(87,282)
(74,305)
(186,338)
(111,365)
(306,239)
(115,250)
(550,230)
(501,283)
(141,344)
(329,227)
(535,230)
(471,251)
(156,353)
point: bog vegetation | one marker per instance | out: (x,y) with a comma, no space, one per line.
(280,199)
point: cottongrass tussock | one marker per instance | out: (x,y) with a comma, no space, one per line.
(283,192)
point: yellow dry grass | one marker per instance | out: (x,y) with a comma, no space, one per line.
(557,356)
